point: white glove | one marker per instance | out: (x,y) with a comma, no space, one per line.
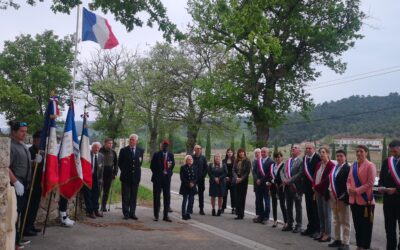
(38,158)
(19,188)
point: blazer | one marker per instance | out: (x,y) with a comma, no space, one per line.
(313,164)
(386,179)
(130,165)
(266,166)
(322,187)
(341,180)
(157,166)
(100,168)
(242,173)
(297,175)
(201,166)
(366,174)
(187,175)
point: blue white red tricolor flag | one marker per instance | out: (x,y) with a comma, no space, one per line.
(70,160)
(97,29)
(85,154)
(49,146)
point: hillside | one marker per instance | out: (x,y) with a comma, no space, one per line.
(356,115)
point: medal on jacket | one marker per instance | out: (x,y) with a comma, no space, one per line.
(395,172)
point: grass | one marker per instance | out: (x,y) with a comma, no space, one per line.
(144,194)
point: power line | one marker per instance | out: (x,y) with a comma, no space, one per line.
(353,80)
(341,116)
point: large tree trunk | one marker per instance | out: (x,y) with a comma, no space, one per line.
(153,142)
(262,133)
(191,138)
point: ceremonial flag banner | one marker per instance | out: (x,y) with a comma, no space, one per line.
(97,29)
(70,163)
(85,155)
(50,147)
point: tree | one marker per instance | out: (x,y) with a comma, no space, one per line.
(276,149)
(127,12)
(369,154)
(208,146)
(107,90)
(273,48)
(345,148)
(233,144)
(384,150)
(30,68)
(243,142)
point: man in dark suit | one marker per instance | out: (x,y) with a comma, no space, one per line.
(310,160)
(162,165)
(130,161)
(110,170)
(92,195)
(294,179)
(261,176)
(201,165)
(389,185)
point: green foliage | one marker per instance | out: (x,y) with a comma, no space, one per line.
(273,48)
(384,150)
(144,194)
(127,12)
(243,142)
(208,146)
(335,119)
(276,149)
(30,68)
(232,146)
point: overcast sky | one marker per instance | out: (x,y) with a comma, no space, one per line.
(378,50)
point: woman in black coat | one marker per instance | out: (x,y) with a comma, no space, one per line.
(241,171)
(217,173)
(230,186)
(188,188)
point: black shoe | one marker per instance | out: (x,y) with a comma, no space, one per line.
(335,243)
(167,219)
(133,217)
(213,212)
(219,212)
(189,217)
(103,209)
(233,211)
(155,219)
(170,210)
(344,247)
(184,217)
(238,218)
(287,229)
(306,232)
(125,217)
(296,230)
(202,212)
(30,233)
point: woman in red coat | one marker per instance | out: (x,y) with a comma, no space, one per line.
(320,187)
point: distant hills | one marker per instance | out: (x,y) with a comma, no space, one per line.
(367,116)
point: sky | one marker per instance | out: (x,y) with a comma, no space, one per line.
(376,54)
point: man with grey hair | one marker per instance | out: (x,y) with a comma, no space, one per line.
(92,195)
(110,170)
(130,162)
(201,164)
(294,189)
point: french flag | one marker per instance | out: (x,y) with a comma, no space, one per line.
(97,29)
(49,146)
(70,160)
(86,160)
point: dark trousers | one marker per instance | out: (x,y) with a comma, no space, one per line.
(311,208)
(232,190)
(187,200)
(201,187)
(241,192)
(291,198)
(129,198)
(391,211)
(21,208)
(107,180)
(277,193)
(362,225)
(92,196)
(35,199)
(262,201)
(62,204)
(163,185)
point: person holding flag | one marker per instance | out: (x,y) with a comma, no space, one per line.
(339,201)
(389,185)
(360,183)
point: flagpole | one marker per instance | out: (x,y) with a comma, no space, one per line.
(76,53)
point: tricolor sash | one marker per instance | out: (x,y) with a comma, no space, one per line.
(260,168)
(395,172)
(271,170)
(289,168)
(358,182)
(332,180)
(307,170)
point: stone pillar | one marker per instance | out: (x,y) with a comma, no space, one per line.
(4,182)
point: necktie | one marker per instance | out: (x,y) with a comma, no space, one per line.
(133,151)
(165,162)
(308,160)
(95,164)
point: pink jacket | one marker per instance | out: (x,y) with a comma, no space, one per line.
(366,174)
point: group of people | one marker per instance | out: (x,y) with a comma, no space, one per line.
(332,188)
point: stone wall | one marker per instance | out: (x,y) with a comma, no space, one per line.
(4,181)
